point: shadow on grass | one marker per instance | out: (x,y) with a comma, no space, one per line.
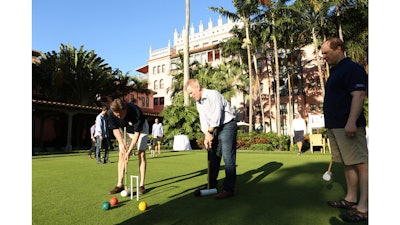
(269,195)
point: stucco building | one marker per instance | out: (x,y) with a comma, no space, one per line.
(306,98)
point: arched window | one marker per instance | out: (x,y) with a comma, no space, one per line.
(155,85)
(161,84)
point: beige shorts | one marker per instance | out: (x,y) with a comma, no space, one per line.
(348,150)
(142,141)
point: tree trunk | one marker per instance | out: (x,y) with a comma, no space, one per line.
(186,53)
(321,78)
(250,76)
(277,95)
(259,93)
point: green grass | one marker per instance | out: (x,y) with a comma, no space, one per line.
(277,188)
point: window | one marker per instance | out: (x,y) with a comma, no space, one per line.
(163,68)
(155,101)
(154,70)
(217,54)
(161,100)
(155,85)
(161,84)
(158,69)
(147,101)
(142,100)
(210,56)
(283,109)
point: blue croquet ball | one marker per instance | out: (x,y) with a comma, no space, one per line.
(106,205)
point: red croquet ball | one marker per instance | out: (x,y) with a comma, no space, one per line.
(113,201)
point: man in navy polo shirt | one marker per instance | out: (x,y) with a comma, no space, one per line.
(122,114)
(345,91)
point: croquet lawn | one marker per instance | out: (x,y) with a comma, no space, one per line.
(273,188)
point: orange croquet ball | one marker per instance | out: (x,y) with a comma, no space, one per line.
(113,201)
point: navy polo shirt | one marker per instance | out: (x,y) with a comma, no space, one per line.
(133,120)
(345,77)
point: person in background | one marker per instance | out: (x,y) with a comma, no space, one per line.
(128,115)
(93,139)
(157,133)
(345,92)
(218,124)
(151,149)
(101,135)
(299,131)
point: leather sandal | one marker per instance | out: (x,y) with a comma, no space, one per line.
(342,204)
(354,216)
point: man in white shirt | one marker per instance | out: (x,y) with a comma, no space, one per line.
(157,132)
(218,124)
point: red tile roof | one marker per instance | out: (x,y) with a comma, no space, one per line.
(146,111)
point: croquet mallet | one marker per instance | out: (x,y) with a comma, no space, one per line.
(328,174)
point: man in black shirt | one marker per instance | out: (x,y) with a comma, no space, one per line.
(127,115)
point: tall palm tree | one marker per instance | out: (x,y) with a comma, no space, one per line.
(186,51)
(245,10)
(72,75)
(140,86)
(270,9)
(353,19)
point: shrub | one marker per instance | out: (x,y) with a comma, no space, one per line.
(261,141)
(262,147)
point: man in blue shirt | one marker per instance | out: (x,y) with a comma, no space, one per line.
(218,124)
(345,91)
(101,135)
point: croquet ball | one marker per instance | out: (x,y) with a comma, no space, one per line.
(124,193)
(142,206)
(106,206)
(113,201)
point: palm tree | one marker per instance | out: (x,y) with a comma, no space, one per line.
(140,86)
(245,10)
(77,76)
(352,16)
(186,51)
(271,8)
(122,84)
(72,75)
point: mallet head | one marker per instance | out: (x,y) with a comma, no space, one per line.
(211,191)
(327,176)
